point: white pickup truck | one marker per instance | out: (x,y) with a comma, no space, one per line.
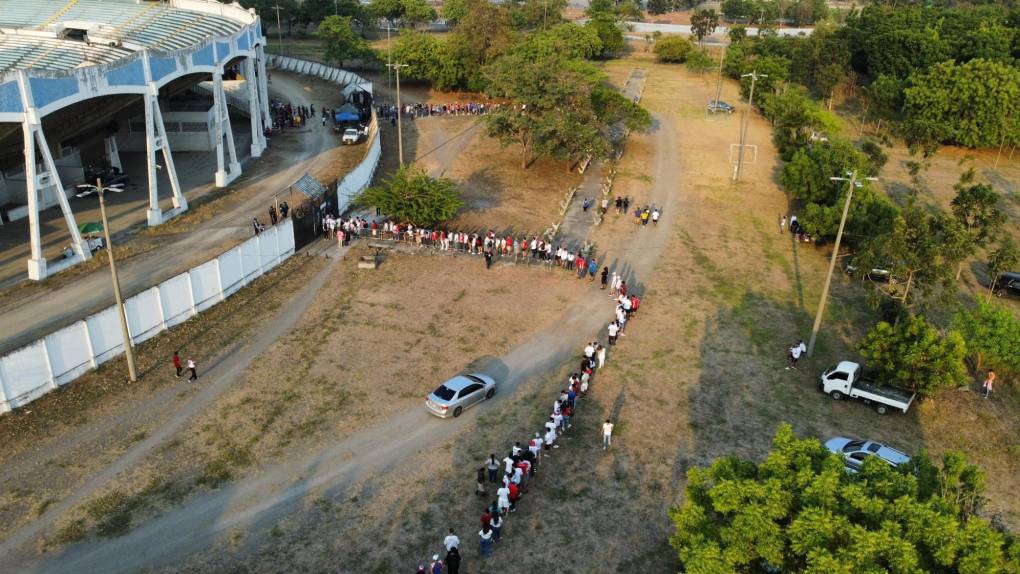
(352,136)
(846,380)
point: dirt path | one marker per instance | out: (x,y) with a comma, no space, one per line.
(49,310)
(259,503)
(214,383)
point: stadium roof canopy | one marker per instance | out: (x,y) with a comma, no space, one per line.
(56,35)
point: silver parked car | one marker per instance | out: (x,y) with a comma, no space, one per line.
(855,452)
(459,393)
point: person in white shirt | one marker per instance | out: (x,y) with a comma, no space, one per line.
(607,434)
(601,353)
(535,446)
(550,439)
(655,216)
(794,355)
(451,541)
(516,449)
(613,329)
(508,464)
(589,351)
(558,421)
(503,502)
(550,425)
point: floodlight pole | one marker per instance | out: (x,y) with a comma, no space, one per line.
(128,351)
(835,253)
(743,123)
(279,27)
(400,132)
(389,55)
(718,84)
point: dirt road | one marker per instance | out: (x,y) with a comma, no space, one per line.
(47,310)
(256,505)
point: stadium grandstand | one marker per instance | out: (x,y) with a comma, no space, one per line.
(85,66)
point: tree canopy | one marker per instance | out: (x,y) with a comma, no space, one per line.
(673,49)
(800,511)
(340,42)
(915,356)
(411,196)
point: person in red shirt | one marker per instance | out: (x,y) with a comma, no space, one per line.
(177,364)
(515,494)
(486,518)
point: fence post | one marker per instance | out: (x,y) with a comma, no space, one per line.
(4,405)
(191,288)
(49,364)
(162,313)
(219,278)
(88,343)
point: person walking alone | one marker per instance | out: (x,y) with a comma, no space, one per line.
(607,434)
(177,364)
(480,489)
(492,465)
(794,354)
(782,224)
(192,368)
(605,277)
(989,382)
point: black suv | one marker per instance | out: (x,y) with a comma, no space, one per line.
(1008,284)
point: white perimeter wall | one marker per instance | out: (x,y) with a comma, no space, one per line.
(57,359)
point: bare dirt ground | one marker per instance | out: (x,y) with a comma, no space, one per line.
(323,459)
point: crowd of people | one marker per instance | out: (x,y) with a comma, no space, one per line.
(419,110)
(511,476)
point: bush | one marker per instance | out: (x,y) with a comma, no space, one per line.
(410,195)
(915,357)
(699,62)
(992,333)
(673,49)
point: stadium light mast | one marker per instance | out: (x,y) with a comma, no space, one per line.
(86,190)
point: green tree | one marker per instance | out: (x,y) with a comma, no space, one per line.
(974,104)
(410,195)
(703,23)
(417,11)
(976,207)
(737,34)
(428,58)
(454,11)
(1003,259)
(340,41)
(739,9)
(884,96)
(609,33)
(773,72)
(799,511)
(673,49)
(480,38)
(992,333)
(558,107)
(629,10)
(922,250)
(390,10)
(699,61)
(914,356)
(566,40)
(538,13)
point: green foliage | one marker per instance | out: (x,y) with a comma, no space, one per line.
(772,73)
(560,107)
(1004,258)
(410,195)
(659,6)
(922,250)
(609,33)
(876,155)
(417,11)
(454,11)
(340,41)
(480,38)
(428,58)
(976,206)
(737,34)
(564,40)
(992,333)
(673,49)
(808,174)
(703,23)
(390,10)
(799,511)
(699,61)
(537,13)
(314,11)
(975,104)
(914,356)
(795,118)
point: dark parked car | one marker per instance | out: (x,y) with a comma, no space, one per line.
(720,106)
(1007,284)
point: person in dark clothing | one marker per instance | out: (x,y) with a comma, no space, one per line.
(605,277)
(272,214)
(488,259)
(453,561)
(480,491)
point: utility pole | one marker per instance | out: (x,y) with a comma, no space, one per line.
(854,184)
(389,56)
(743,121)
(125,333)
(400,133)
(718,84)
(279,27)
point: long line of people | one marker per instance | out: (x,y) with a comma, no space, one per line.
(513,474)
(419,110)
